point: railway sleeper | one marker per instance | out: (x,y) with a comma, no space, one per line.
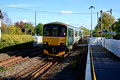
(16,62)
(37,71)
(28,69)
(11,60)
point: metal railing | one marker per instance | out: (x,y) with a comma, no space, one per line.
(90,71)
(88,65)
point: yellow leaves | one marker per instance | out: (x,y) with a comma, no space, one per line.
(14,30)
(11,40)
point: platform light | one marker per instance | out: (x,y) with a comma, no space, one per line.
(91,7)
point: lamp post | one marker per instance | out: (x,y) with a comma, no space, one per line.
(101,19)
(35,25)
(110,21)
(97,21)
(91,7)
(101,26)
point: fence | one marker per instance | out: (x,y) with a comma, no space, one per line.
(110,44)
(38,39)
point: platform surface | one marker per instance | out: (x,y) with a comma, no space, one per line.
(107,66)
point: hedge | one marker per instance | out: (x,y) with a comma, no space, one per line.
(117,36)
(15,42)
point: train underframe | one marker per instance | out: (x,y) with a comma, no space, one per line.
(58,50)
(54,50)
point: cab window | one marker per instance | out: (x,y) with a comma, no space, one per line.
(46,31)
(63,31)
(54,31)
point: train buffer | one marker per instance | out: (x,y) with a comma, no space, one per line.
(106,64)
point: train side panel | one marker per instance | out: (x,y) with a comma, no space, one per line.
(70,36)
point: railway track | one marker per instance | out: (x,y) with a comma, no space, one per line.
(28,71)
(25,55)
(51,68)
(37,70)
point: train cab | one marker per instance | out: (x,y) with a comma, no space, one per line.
(54,39)
(59,37)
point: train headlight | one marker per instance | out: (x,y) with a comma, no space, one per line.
(62,43)
(45,42)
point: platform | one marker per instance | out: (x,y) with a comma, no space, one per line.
(107,66)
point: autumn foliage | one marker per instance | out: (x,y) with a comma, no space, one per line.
(11,42)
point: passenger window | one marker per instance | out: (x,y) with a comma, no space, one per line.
(75,33)
(79,33)
(71,33)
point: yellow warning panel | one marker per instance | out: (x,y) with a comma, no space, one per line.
(51,54)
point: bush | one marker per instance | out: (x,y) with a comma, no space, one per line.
(2,68)
(95,35)
(15,42)
(103,35)
(106,35)
(117,36)
(14,30)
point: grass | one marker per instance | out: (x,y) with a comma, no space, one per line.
(75,62)
(3,69)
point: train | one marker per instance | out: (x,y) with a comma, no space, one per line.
(59,37)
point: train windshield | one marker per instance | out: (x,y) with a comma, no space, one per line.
(55,30)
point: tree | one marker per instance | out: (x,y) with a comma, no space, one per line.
(116,26)
(19,25)
(25,27)
(6,20)
(105,22)
(86,31)
(14,30)
(4,28)
(29,27)
(39,28)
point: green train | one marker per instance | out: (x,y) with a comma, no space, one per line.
(59,37)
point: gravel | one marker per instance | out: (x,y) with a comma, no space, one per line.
(18,67)
(62,70)
(3,56)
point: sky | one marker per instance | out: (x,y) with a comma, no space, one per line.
(72,12)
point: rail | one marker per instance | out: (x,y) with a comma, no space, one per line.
(27,69)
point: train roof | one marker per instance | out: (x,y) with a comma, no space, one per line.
(60,23)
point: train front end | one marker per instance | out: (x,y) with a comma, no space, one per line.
(54,39)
